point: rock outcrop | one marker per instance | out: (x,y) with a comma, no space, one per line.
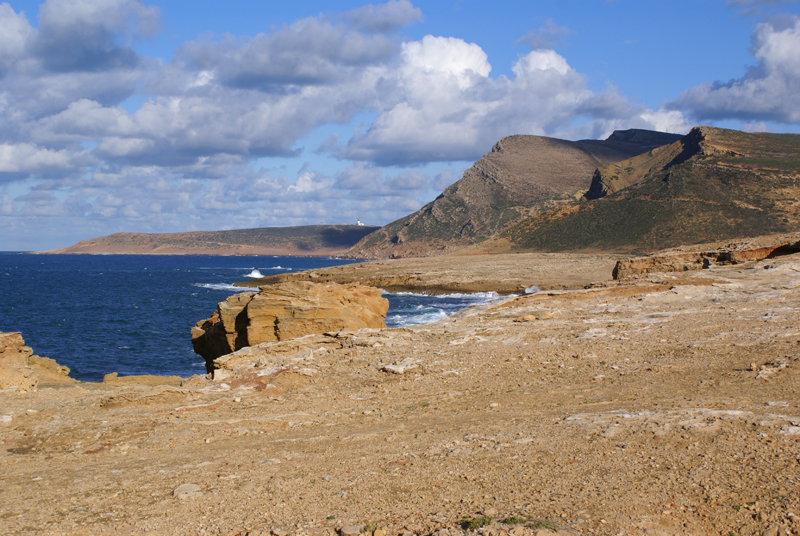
(286,311)
(20,370)
(686,259)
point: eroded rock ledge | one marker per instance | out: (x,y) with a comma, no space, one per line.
(688,258)
(21,370)
(286,311)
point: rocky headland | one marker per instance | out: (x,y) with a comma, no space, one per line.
(304,240)
(664,403)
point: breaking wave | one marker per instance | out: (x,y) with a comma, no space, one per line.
(225,286)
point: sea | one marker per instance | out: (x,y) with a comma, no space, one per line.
(132,314)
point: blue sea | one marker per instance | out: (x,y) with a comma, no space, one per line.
(132,314)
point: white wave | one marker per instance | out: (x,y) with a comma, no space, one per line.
(401,321)
(255,274)
(532,290)
(491,295)
(224,286)
(280,268)
(475,295)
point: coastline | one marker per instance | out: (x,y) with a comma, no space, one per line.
(630,406)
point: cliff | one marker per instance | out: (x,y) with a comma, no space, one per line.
(712,184)
(286,311)
(521,176)
(21,370)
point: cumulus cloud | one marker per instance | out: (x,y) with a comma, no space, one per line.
(84,35)
(186,155)
(442,105)
(769,91)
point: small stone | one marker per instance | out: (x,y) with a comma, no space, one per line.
(351,530)
(490,512)
(279,532)
(187,491)
(525,318)
(494,405)
(5,420)
(379,532)
(221,374)
(772,531)
(32,412)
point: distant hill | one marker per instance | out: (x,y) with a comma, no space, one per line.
(712,184)
(305,240)
(521,176)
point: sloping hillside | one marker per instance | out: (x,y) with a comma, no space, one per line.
(521,176)
(305,240)
(713,184)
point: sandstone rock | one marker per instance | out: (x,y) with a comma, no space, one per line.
(286,311)
(708,255)
(14,370)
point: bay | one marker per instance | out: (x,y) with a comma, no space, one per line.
(132,314)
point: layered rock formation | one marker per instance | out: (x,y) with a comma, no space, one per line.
(713,184)
(684,259)
(522,175)
(286,311)
(20,370)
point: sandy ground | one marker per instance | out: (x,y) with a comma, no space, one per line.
(665,405)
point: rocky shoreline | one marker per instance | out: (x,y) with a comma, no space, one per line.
(664,403)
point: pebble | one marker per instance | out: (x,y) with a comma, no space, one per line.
(187,491)
(5,420)
(379,532)
(489,512)
(351,530)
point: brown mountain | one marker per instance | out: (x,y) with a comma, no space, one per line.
(304,240)
(712,184)
(521,176)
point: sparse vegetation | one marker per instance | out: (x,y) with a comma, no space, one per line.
(475,523)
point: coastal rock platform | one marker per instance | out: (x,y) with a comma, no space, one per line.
(664,404)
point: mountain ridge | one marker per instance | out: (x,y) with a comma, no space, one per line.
(300,240)
(522,175)
(712,184)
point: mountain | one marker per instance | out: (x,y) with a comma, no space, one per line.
(521,176)
(712,184)
(305,240)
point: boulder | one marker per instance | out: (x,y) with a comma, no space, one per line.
(14,370)
(21,370)
(287,311)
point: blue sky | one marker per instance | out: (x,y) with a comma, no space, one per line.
(126,115)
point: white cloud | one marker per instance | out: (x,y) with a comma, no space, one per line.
(26,158)
(15,31)
(769,91)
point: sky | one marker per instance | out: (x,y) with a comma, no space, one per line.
(169,116)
